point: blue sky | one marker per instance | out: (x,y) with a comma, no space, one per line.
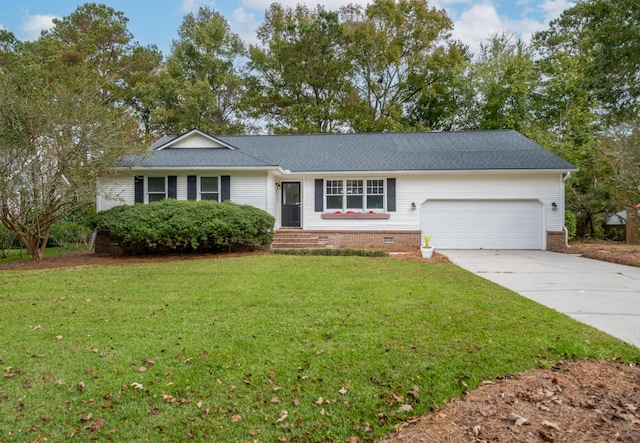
(157,21)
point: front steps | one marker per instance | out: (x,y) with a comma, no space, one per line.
(294,239)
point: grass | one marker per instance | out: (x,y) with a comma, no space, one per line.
(261,348)
(13,255)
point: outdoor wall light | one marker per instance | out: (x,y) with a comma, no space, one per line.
(413,206)
(554,206)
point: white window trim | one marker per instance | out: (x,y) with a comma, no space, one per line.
(199,186)
(364,195)
(148,193)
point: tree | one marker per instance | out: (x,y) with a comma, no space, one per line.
(502,79)
(200,85)
(301,81)
(402,53)
(607,34)
(61,129)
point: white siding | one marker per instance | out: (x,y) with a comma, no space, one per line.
(413,188)
(115,191)
(248,188)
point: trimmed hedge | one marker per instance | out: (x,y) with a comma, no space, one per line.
(186,225)
(331,252)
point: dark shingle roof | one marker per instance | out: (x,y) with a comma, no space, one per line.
(414,151)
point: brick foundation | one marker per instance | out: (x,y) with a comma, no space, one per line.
(385,240)
(556,241)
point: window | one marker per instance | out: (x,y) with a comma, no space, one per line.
(209,188)
(354,195)
(334,194)
(156,189)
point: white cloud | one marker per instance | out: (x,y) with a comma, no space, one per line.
(245,25)
(192,6)
(33,25)
(476,24)
(553,8)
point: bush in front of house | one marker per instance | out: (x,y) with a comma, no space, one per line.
(63,233)
(179,225)
(571,223)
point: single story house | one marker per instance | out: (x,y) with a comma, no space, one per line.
(468,190)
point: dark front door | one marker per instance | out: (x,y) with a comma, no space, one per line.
(291,204)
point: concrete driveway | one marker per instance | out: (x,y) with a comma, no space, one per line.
(603,295)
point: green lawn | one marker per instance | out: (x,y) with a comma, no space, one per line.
(13,255)
(260,348)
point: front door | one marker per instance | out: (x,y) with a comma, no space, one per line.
(291,204)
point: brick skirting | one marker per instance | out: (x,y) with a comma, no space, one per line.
(556,241)
(386,240)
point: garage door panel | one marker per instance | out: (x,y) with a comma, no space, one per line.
(483,224)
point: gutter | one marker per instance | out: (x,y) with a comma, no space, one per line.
(564,227)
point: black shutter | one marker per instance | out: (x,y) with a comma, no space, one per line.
(172,186)
(138,189)
(391,195)
(225,188)
(191,187)
(319,195)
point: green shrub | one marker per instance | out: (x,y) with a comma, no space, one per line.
(8,239)
(186,226)
(64,233)
(331,252)
(571,223)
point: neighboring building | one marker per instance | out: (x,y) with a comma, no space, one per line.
(468,190)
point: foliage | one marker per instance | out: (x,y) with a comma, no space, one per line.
(301,81)
(402,54)
(264,347)
(63,233)
(8,240)
(427,240)
(186,225)
(199,85)
(61,121)
(570,222)
(330,252)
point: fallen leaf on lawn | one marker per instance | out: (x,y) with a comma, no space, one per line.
(283,416)
(168,398)
(353,440)
(551,424)
(204,414)
(320,401)
(137,386)
(142,369)
(95,425)
(254,431)
(59,337)
(190,433)
(296,402)
(405,408)
(517,419)
(236,418)
(275,400)
(37,327)
(342,390)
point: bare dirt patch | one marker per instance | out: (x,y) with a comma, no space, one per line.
(583,401)
(620,253)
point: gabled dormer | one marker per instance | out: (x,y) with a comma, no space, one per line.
(194,139)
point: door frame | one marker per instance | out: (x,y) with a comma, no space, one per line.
(286,211)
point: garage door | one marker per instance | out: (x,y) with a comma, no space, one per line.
(483,224)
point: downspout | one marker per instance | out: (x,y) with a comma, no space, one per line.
(564,227)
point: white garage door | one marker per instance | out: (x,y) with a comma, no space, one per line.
(483,224)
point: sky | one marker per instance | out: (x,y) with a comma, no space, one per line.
(156,22)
